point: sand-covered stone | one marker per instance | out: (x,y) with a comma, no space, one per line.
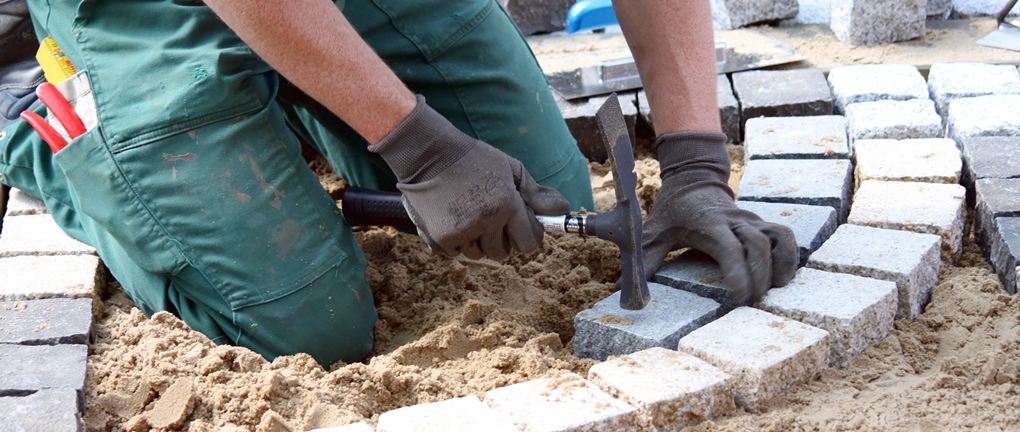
(935,160)
(673,389)
(52,410)
(890,119)
(729,109)
(910,259)
(580,118)
(870,83)
(20,203)
(995,198)
(767,354)
(930,208)
(609,330)
(38,235)
(951,81)
(994,115)
(991,8)
(782,93)
(856,311)
(811,225)
(814,137)
(822,182)
(731,14)
(40,277)
(989,157)
(461,414)
(1004,250)
(564,403)
(46,321)
(864,22)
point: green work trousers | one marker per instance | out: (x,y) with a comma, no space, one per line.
(192,188)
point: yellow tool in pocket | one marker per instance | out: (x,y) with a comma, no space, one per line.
(56,66)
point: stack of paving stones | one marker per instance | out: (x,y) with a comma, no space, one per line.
(47,299)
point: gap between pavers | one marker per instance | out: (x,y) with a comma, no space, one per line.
(461,414)
(935,160)
(826,182)
(856,311)
(869,83)
(816,137)
(911,260)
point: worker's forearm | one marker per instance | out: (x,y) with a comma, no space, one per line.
(313,45)
(673,45)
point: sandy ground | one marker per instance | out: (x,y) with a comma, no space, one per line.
(450,327)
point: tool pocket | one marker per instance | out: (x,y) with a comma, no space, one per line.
(434,26)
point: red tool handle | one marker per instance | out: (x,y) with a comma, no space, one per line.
(48,134)
(61,109)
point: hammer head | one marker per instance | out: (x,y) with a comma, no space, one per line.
(622,225)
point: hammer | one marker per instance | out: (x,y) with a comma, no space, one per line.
(622,225)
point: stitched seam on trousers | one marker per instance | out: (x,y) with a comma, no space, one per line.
(170,130)
(463,30)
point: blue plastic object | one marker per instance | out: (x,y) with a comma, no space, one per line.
(590,14)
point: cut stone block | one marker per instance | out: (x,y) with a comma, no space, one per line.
(767,354)
(731,14)
(935,160)
(538,16)
(54,410)
(697,273)
(46,322)
(815,137)
(969,8)
(672,389)
(813,182)
(996,198)
(856,311)
(580,118)
(782,93)
(938,9)
(811,225)
(870,83)
(814,12)
(983,116)
(20,203)
(729,109)
(38,235)
(989,157)
(608,330)
(893,120)
(41,277)
(1005,247)
(865,22)
(461,414)
(910,259)
(26,369)
(919,207)
(951,81)
(565,403)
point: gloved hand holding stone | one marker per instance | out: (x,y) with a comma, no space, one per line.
(695,208)
(464,195)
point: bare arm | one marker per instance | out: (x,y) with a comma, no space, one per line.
(312,44)
(673,44)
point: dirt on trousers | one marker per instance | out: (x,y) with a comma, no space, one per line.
(452,327)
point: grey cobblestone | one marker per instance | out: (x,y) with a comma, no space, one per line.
(782,93)
(815,137)
(46,322)
(893,120)
(53,410)
(40,277)
(870,83)
(826,182)
(38,235)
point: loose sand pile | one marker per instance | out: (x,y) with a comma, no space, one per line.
(451,327)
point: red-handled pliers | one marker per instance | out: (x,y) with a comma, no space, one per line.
(62,110)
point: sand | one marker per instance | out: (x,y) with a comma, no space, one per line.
(451,327)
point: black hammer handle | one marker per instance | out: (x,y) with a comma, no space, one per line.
(362,206)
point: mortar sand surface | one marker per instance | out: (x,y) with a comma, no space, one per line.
(451,327)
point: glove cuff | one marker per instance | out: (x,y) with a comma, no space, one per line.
(693,151)
(423,145)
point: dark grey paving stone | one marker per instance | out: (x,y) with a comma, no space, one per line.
(989,157)
(825,182)
(26,369)
(814,137)
(538,16)
(46,322)
(811,225)
(785,93)
(1004,251)
(54,410)
(995,198)
(697,273)
(729,109)
(580,118)
(608,330)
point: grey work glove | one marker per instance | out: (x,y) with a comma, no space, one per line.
(695,208)
(464,195)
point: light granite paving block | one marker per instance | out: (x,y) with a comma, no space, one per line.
(983,116)
(608,330)
(729,109)
(580,118)
(893,120)
(672,389)
(811,225)
(26,369)
(996,198)
(911,260)
(41,277)
(564,404)
(20,203)
(814,137)
(870,83)
(824,182)
(951,81)
(46,322)
(767,354)
(866,22)
(461,414)
(856,311)
(971,8)
(814,12)
(938,9)
(782,93)
(732,14)
(989,157)
(933,160)
(1004,250)
(38,235)
(54,410)
(929,208)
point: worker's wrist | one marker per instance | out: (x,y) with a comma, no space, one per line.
(693,154)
